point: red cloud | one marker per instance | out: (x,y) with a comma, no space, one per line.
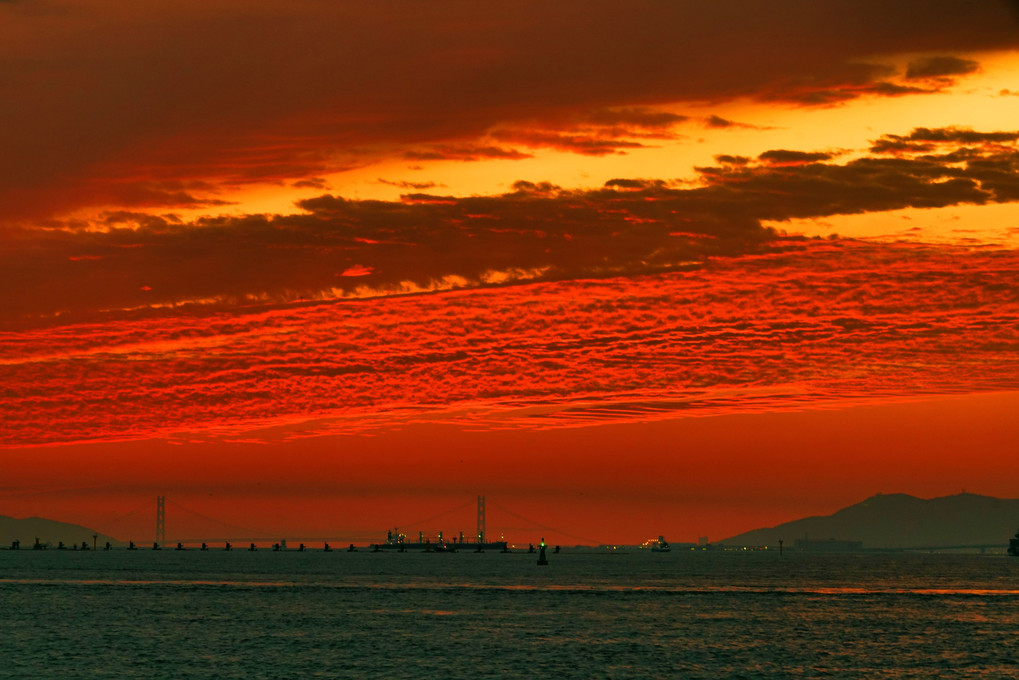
(801,323)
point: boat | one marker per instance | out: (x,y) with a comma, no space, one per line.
(444,548)
(1013,545)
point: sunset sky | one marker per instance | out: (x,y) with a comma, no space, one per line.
(319,269)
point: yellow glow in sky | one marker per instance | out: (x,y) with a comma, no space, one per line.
(987,101)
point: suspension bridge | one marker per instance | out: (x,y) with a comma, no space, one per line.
(218,531)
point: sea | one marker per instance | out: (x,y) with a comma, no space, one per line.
(587,614)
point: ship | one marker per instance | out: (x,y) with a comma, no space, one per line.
(1013,545)
(656,545)
(398,542)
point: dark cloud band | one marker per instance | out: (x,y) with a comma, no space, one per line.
(538,231)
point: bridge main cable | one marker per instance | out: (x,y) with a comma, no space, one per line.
(539,525)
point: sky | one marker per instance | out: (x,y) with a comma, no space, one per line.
(322,269)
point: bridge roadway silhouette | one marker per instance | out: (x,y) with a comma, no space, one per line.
(259,536)
(250,535)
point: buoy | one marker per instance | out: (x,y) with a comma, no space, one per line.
(542,560)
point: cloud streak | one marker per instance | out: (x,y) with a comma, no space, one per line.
(940,68)
(802,323)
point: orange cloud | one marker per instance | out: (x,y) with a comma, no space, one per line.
(538,231)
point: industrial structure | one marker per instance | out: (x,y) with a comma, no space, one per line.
(481,519)
(160,520)
(439,543)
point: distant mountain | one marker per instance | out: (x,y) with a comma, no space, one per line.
(48,531)
(902,521)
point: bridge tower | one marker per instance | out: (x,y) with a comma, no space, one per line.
(160,520)
(481,519)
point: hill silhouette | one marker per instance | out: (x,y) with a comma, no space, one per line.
(48,531)
(902,521)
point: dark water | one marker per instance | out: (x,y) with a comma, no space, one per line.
(215,614)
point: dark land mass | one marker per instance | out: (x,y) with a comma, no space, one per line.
(891,521)
(47,531)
